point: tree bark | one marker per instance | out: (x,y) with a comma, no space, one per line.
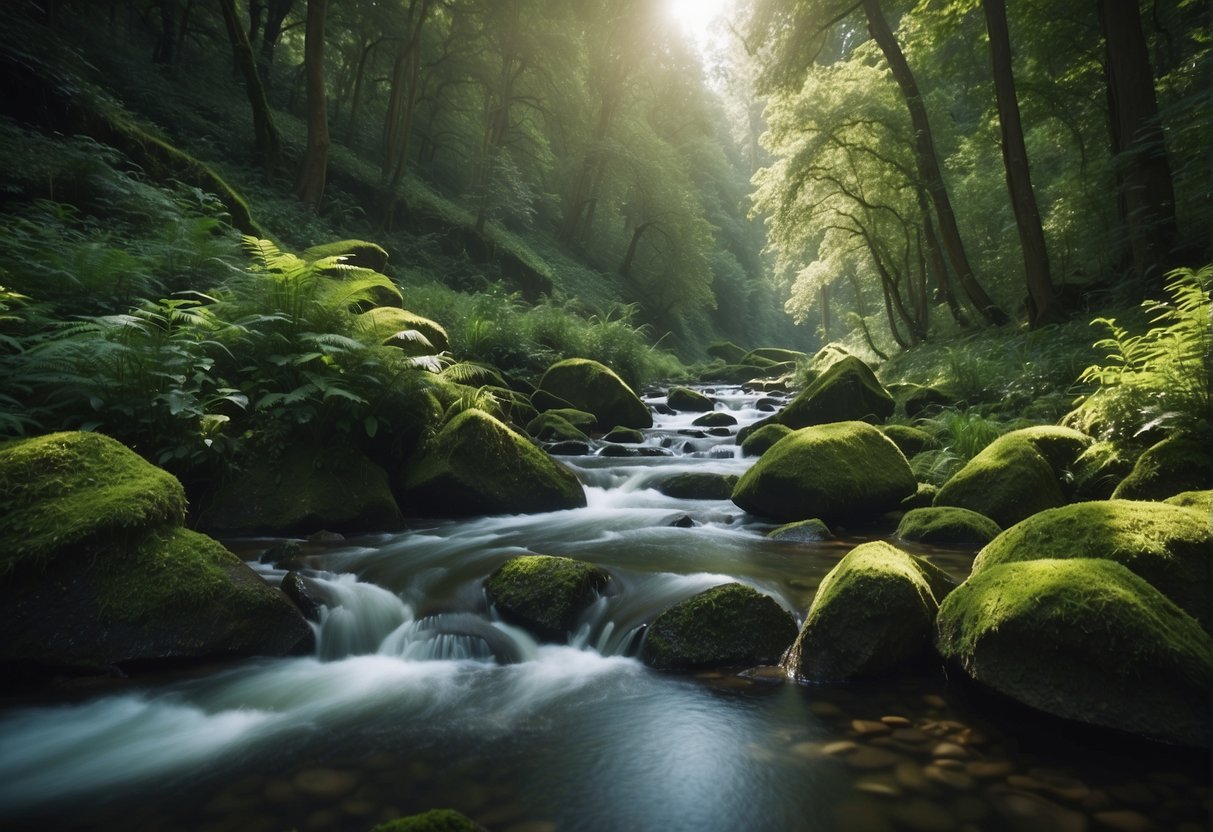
(267,142)
(310,186)
(928,163)
(1041,299)
(276,13)
(1147,197)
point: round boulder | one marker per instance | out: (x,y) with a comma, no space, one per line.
(730,625)
(910,440)
(688,400)
(873,612)
(715,419)
(595,388)
(848,390)
(947,526)
(1176,464)
(802,531)
(845,470)
(1083,639)
(1008,481)
(544,594)
(697,485)
(760,441)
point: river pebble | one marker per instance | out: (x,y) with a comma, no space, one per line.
(867,758)
(912,736)
(839,748)
(949,749)
(989,769)
(1124,820)
(950,777)
(924,815)
(896,721)
(1029,812)
(879,787)
(910,775)
(868,728)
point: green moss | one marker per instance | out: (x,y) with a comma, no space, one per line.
(947,526)
(698,485)
(923,497)
(1202,500)
(835,471)
(595,388)
(1178,463)
(629,436)
(688,400)
(553,427)
(1084,639)
(1061,447)
(545,594)
(435,820)
(715,419)
(74,492)
(382,324)
(910,441)
(802,531)
(873,612)
(727,626)
(1008,481)
(775,355)
(1168,546)
(477,465)
(356,253)
(848,390)
(760,441)
(726,351)
(1099,469)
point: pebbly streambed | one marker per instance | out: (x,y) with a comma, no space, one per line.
(419,697)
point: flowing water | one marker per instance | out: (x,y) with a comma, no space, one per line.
(419,697)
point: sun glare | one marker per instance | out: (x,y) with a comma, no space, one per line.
(695,15)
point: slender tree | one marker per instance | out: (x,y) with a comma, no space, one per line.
(268,144)
(310,185)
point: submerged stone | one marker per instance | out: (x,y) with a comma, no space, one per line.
(595,388)
(802,531)
(545,594)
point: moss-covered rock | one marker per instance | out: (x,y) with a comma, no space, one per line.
(580,419)
(545,401)
(777,355)
(478,465)
(66,492)
(303,492)
(1061,447)
(802,531)
(688,400)
(845,470)
(1083,639)
(1202,500)
(515,407)
(551,426)
(1008,481)
(619,433)
(435,820)
(910,441)
(735,373)
(698,485)
(715,419)
(1178,463)
(173,595)
(595,388)
(731,625)
(874,611)
(921,401)
(545,594)
(394,327)
(726,351)
(758,442)
(1171,547)
(923,497)
(947,526)
(847,391)
(358,253)
(1099,469)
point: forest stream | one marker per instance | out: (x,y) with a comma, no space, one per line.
(419,696)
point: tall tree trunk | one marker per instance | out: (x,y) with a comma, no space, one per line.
(625,267)
(824,295)
(1147,197)
(862,316)
(268,143)
(166,41)
(310,187)
(936,264)
(356,96)
(928,162)
(276,12)
(1041,300)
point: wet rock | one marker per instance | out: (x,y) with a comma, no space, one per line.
(896,721)
(623,451)
(301,592)
(728,625)
(868,758)
(697,485)
(879,788)
(568,448)
(326,536)
(989,769)
(911,776)
(950,777)
(949,749)
(947,526)
(720,433)
(595,388)
(544,594)
(686,399)
(694,434)
(1027,812)
(624,435)
(282,552)
(682,521)
(664,409)
(868,728)
(715,419)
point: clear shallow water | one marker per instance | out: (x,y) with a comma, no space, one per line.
(403,707)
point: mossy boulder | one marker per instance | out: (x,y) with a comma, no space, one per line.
(551,426)
(1171,547)
(629,436)
(840,471)
(715,419)
(910,440)
(802,531)
(1060,446)
(304,491)
(1008,481)
(595,388)
(514,407)
(1202,500)
(947,526)
(1179,463)
(64,492)
(478,465)
(726,351)
(580,419)
(777,355)
(758,442)
(688,400)
(1099,469)
(921,498)
(397,327)
(1083,639)
(847,391)
(731,625)
(358,253)
(698,485)
(173,595)
(736,373)
(545,401)
(435,820)
(874,612)
(920,401)
(545,594)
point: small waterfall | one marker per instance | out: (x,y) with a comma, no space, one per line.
(356,616)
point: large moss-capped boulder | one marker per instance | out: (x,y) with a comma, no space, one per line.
(1171,547)
(595,388)
(398,328)
(1192,499)
(873,612)
(478,465)
(777,355)
(629,436)
(174,595)
(847,391)
(435,820)
(947,526)
(758,442)
(1084,639)
(303,492)
(545,594)
(686,399)
(358,253)
(731,625)
(1008,481)
(1060,446)
(65,491)
(697,485)
(910,440)
(552,426)
(844,470)
(1178,463)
